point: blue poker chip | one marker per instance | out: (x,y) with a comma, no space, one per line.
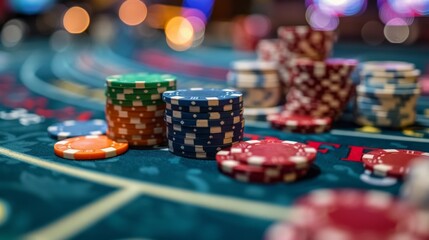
(72,128)
(377,92)
(191,135)
(204,122)
(384,114)
(197,148)
(393,86)
(203,97)
(252,80)
(385,74)
(204,141)
(193,155)
(391,120)
(198,109)
(207,115)
(422,120)
(205,130)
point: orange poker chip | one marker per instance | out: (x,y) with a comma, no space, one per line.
(135,137)
(135,126)
(143,143)
(89,148)
(135,120)
(131,114)
(131,131)
(151,108)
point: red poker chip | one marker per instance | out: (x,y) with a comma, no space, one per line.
(356,215)
(248,173)
(298,120)
(271,154)
(285,231)
(303,41)
(391,162)
(302,130)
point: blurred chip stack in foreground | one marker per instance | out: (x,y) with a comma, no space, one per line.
(387,95)
(134,108)
(201,122)
(353,215)
(416,186)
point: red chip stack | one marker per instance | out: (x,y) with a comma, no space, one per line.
(318,88)
(353,215)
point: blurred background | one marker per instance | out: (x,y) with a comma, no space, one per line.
(189,23)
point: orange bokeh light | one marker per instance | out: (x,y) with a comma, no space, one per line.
(179,31)
(76,20)
(132,12)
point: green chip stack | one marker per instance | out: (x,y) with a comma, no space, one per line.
(134,108)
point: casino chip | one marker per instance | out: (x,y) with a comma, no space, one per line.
(134,106)
(72,128)
(415,189)
(201,122)
(259,81)
(356,215)
(387,95)
(391,162)
(141,81)
(300,123)
(203,97)
(266,161)
(89,148)
(271,153)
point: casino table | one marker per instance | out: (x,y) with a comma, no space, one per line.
(151,193)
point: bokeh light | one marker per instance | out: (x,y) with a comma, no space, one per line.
(397,31)
(13,33)
(257,25)
(203,6)
(321,20)
(179,33)
(76,20)
(339,7)
(60,40)
(30,6)
(372,32)
(132,12)
(103,29)
(387,13)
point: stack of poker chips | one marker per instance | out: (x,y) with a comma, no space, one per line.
(317,96)
(351,214)
(295,42)
(415,189)
(261,87)
(266,161)
(387,95)
(134,108)
(201,122)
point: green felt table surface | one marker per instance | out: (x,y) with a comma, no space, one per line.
(153,194)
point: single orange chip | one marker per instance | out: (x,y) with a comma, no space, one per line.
(89,148)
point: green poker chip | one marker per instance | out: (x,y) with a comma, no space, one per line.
(132,97)
(135,103)
(134,91)
(141,80)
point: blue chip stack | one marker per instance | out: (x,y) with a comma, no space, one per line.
(201,122)
(260,83)
(387,94)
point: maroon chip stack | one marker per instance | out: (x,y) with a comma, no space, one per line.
(318,88)
(296,42)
